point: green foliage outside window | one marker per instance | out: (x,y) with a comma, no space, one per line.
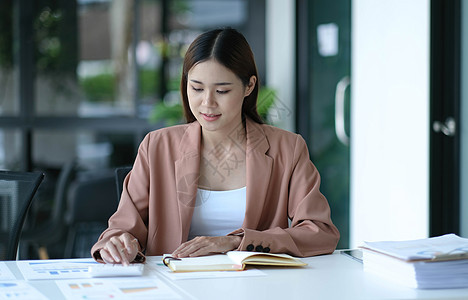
(101,87)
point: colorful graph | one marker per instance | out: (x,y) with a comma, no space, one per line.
(55,269)
(19,290)
(112,288)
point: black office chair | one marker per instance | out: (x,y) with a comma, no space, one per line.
(120,174)
(51,232)
(17,190)
(92,200)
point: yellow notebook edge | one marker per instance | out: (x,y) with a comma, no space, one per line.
(268,258)
(234,268)
(293,264)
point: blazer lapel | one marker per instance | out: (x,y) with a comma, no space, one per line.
(258,173)
(187,172)
(259,166)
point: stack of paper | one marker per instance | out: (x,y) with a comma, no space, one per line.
(439,262)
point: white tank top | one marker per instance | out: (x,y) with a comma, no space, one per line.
(218,213)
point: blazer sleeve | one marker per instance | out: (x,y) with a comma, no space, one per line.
(312,231)
(132,213)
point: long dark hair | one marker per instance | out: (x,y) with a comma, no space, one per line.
(230,48)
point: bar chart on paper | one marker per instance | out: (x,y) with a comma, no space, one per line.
(55,269)
(19,290)
(111,288)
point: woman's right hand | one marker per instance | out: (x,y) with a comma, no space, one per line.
(120,249)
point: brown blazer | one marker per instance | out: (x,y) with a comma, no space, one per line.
(159,194)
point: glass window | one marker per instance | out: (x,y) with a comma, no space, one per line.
(105,64)
(90,149)
(84,58)
(10,149)
(149,56)
(328,72)
(118,58)
(9,104)
(55,53)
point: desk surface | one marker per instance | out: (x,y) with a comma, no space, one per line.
(333,276)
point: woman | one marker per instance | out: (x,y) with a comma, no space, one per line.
(223,181)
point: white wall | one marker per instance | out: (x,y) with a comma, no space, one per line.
(389,120)
(280,60)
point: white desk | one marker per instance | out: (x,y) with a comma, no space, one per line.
(326,277)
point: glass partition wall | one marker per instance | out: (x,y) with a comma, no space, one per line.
(324,85)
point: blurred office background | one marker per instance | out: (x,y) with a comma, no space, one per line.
(375,87)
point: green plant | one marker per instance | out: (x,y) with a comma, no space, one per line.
(99,87)
(169,114)
(265,100)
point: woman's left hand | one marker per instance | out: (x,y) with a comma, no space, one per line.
(204,245)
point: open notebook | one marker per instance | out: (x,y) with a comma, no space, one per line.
(231,261)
